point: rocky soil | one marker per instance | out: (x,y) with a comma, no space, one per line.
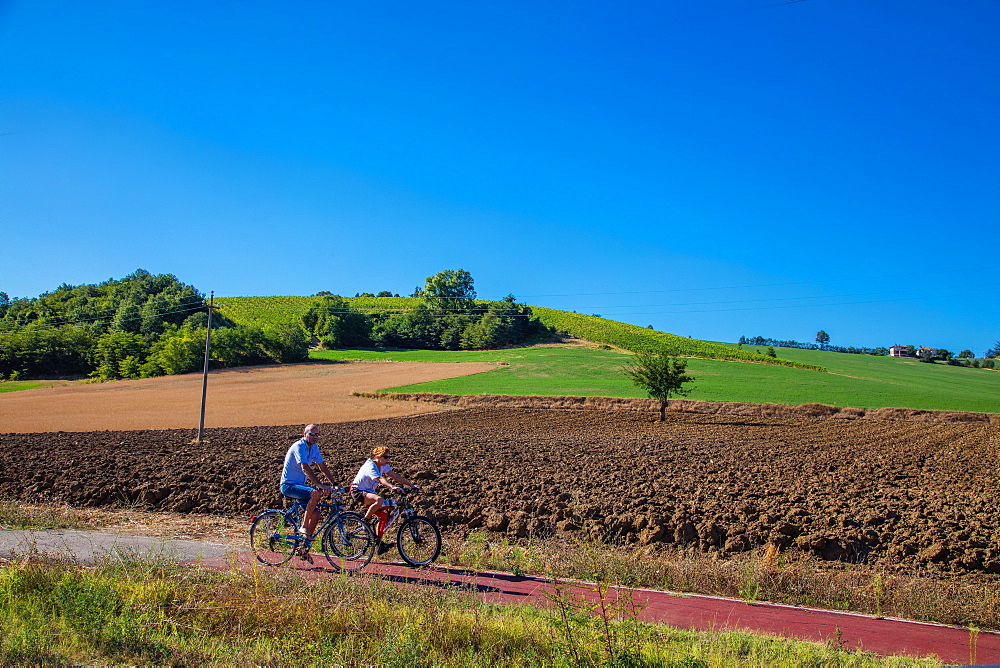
(913,496)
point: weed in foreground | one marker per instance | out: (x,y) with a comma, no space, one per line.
(20,515)
(753,576)
(132,612)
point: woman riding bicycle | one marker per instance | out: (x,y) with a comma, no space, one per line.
(376,471)
(418,538)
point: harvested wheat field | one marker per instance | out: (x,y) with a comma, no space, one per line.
(913,496)
(264,395)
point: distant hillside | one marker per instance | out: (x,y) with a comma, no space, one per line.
(637,339)
(270,312)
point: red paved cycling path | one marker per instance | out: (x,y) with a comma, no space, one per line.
(952,645)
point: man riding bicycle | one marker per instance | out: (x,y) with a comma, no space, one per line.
(298,469)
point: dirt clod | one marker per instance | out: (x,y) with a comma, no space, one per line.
(913,495)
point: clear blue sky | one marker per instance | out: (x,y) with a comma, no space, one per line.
(714,168)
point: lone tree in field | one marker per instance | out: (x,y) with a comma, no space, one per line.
(661,375)
(822,338)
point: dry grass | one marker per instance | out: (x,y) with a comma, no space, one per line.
(811,410)
(179,526)
(763,575)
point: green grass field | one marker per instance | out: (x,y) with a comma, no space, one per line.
(866,381)
(540,370)
(15,385)
(862,381)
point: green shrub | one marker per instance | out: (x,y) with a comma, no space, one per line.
(112,351)
(179,350)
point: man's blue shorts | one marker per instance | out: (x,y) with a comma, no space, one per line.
(296,490)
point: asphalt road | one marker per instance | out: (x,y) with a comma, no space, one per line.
(90,547)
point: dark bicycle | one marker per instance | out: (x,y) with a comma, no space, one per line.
(345,539)
(418,538)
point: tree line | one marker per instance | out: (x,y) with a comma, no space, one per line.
(144,325)
(821,344)
(447,317)
(139,326)
(930,355)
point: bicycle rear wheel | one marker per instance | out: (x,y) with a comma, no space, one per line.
(419,541)
(273,537)
(349,543)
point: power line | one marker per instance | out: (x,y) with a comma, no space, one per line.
(923,291)
(924,294)
(43,324)
(769,308)
(841,279)
(302,308)
(768,285)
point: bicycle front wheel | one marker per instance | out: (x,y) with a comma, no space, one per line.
(419,541)
(273,537)
(349,543)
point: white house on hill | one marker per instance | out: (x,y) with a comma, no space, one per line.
(898,351)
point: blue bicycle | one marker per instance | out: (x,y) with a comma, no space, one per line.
(345,539)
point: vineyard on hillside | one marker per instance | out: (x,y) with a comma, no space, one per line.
(270,312)
(642,339)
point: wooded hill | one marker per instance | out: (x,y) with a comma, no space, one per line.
(145,325)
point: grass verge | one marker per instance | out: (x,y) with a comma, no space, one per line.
(18,515)
(155,613)
(761,576)
(125,520)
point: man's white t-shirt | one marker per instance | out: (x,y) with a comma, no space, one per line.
(367,478)
(300,453)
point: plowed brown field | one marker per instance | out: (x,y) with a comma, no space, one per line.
(919,496)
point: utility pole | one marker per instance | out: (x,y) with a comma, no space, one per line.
(204,378)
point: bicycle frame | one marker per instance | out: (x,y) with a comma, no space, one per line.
(331,512)
(344,538)
(386,518)
(399,507)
